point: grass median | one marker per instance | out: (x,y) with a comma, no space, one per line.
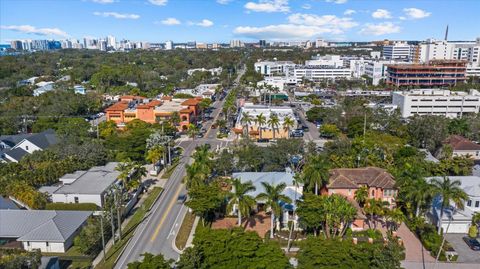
(170,170)
(113,253)
(184,232)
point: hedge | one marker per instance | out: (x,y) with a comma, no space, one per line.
(75,207)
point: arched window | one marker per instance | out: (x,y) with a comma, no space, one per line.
(373,193)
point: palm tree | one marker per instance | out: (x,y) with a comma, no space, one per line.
(374,209)
(272,198)
(155,153)
(419,192)
(245,121)
(449,191)
(125,169)
(273,123)
(395,216)
(288,123)
(138,171)
(195,176)
(316,172)
(261,120)
(361,195)
(192,130)
(239,197)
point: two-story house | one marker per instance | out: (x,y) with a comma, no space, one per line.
(25,144)
(463,147)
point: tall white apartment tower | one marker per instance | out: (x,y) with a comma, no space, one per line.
(398,51)
(111,42)
(169,45)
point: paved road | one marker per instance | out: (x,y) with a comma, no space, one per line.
(157,232)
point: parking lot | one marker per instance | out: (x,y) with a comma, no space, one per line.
(465,254)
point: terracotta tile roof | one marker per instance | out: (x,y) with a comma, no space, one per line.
(461,143)
(169,98)
(185,110)
(355,177)
(120,106)
(237,131)
(190,102)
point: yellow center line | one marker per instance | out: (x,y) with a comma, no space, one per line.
(157,230)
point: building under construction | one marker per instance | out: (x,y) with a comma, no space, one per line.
(434,73)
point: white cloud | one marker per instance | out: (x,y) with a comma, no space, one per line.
(28,29)
(380,29)
(170,21)
(331,22)
(268,6)
(103,1)
(306,6)
(415,13)
(224,2)
(381,14)
(158,2)
(203,23)
(349,12)
(336,1)
(117,15)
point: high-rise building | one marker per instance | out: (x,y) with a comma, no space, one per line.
(433,50)
(16,44)
(111,42)
(262,43)
(169,45)
(320,43)
(236,44)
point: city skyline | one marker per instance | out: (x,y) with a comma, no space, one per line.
(224,20)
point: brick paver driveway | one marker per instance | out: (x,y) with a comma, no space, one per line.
(414,251)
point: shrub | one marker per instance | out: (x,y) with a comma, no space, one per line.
(75,207)
(473,231)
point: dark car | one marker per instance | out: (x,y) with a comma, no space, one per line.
(305,128)
(263,140)
(181,198)
(472,243)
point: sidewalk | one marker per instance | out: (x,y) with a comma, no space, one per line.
(414,251)
(159,183)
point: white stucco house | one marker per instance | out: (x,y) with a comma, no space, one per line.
(47,230)
(292,191)
(85,186)
(463,147)
(458,220)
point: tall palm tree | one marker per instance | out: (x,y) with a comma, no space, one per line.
(374,209)
(195,176)
(245,121)
(288,124)
(272,198)
(239,197)
(125,169)
(261,120)
(361,195)
(419,192)
(273,122)
(449,191)
(192,130)
(395,216)
(316,172)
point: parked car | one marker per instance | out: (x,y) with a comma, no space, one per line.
(472,243)
(214,126)
(297,133)
(305,128)
(263,140)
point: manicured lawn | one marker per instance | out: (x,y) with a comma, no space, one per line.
(184,232)
(136,219)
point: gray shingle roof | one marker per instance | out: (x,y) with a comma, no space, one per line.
(12,140)
(6,203)
(44,139)
(41,225)
(16,153)
(95,181)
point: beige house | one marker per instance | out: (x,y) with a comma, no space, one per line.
(463,147)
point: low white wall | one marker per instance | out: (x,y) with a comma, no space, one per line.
(82,198)
(52,246)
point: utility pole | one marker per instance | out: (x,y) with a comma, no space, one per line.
(113,226)
(119,216)
(103,235)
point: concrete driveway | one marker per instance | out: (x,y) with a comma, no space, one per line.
(465,254)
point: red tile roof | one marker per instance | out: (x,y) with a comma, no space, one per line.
(350,178)
(461,143)
(169,98)
(190,102)
(120,106)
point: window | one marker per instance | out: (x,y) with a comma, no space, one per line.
(349,191)
(477,203)
(28,243)
(373,193)
(75,199)
(26,147)
(469,203)
(46,243)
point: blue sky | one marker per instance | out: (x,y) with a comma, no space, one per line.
(223,20)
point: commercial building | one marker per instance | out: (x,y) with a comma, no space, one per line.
(137,107)
(46,230)
(398,51)
(86,186)
(456,220)
(268,68)
(435,73)
(265,130)
(213,71)
(330,60)
(318,72)
(436,102)
(433,50)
